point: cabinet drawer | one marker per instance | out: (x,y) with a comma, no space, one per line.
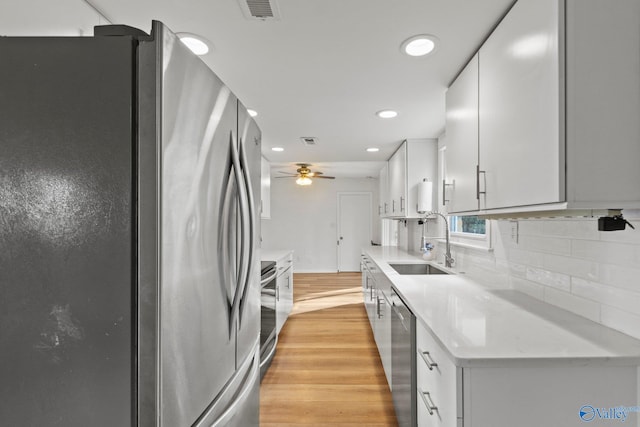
(437,383)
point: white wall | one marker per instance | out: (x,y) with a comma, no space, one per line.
(305,219)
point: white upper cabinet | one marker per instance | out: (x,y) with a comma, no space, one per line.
(462,140)
(265,190)
(397,181)
(383,207)
(521,155)
(603,103)
(558,105)
(414,161)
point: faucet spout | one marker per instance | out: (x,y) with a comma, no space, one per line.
(448,259)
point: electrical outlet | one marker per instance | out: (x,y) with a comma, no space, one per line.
(514,231)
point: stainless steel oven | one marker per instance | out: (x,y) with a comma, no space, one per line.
(268,334)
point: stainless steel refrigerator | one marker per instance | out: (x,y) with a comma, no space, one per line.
(129,271)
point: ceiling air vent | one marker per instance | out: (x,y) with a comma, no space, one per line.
(262,10)
(309,141)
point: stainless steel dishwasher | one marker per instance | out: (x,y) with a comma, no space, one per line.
(403,362)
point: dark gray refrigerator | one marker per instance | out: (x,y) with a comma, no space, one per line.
(129,275)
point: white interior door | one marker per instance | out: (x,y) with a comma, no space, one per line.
(354,228)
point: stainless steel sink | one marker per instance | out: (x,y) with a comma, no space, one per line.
(417,269)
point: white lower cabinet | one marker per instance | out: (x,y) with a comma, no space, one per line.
(383,330)
(375,290)
(438,382)
(369,291)
(515,393)
(284,290)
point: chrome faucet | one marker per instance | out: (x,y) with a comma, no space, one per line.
(448,260)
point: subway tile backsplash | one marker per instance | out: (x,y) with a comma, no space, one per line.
(567,263)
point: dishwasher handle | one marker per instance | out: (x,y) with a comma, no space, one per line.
(400,317)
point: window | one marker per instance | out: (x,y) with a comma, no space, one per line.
(467,224)
(470,231)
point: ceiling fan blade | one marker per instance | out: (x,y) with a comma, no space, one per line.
(292,176)
(325,177)
(288,173)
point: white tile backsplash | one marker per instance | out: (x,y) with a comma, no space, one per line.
(607,295)
(526,257)
(604,252)
(546,244)
(545,277)
(571,266)
(620,276)
(526,228)
(533,289)
(623,236)
(620,320)
(575,229)
(567,263)
(579,305)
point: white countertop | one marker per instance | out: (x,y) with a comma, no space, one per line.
(274,254)
(480,326)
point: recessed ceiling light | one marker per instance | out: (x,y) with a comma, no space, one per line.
(387,114)
(277,149)
(373,149)
(419,45)
(251,112)
(196,43)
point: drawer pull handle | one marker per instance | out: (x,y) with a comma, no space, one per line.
(428,360)
(428,402)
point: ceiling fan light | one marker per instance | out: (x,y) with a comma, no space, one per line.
(304,180)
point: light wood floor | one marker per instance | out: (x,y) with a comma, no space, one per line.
(327,371)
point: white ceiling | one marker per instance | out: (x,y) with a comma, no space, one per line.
(322,70)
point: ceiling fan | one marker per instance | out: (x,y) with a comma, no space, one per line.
(304,174)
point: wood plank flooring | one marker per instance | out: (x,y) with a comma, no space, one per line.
(327,371)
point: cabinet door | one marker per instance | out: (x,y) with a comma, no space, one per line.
(384,209)
(438,382)
(384,342)
(398,181)
(521,149)
(462,140)
(286,296)
(369,300)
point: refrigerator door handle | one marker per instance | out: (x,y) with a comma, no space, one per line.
(224,256)
(243,387)
(242,195)
(226,418)
(251,215)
